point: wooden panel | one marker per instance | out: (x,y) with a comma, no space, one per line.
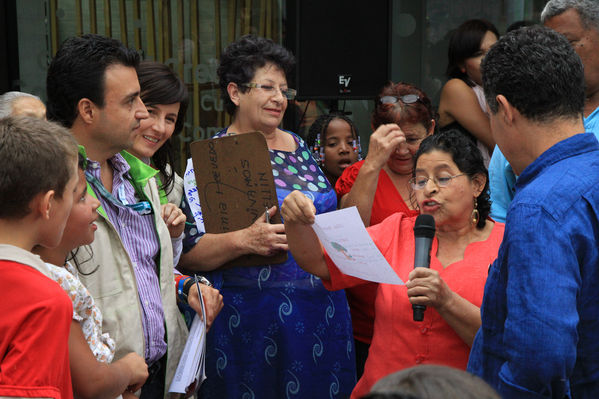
(180,38)
(159,33)
(78,18)
(150,30)
(231,20)
(136,25)
(93,19)
(54,26)
(195,51)
(123,21)
(246,17)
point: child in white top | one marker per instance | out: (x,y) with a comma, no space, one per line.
(90,351)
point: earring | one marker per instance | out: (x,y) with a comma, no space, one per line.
(318,151)
(475,213)
(358,148)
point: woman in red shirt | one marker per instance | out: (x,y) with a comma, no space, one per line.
(450,183)
(379,186)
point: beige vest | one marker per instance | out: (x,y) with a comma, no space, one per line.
(114,287)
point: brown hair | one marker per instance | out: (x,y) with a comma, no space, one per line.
(419,112)
(38,156)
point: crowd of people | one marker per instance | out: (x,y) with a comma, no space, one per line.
(99,245)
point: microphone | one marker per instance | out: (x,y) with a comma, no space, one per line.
(424,231)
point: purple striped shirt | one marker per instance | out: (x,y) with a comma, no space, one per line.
(139,238)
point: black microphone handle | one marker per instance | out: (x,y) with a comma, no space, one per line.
(422,258)
(418,312)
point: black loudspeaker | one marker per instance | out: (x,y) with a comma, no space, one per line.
(342,47)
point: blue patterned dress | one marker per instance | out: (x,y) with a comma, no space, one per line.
(281,334)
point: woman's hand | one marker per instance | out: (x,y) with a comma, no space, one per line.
(298,211)
(174,219)
(426,287)
(264,238)
(297,208)
(384,140)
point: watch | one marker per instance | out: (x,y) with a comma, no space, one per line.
(184,291)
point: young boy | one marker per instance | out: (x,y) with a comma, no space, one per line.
(38,178)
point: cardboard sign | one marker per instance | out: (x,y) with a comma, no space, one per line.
(235,186)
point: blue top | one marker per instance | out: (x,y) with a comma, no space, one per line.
(540,313)
(281,334)
(502,179)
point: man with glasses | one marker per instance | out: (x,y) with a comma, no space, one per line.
(578,20)
(540,310)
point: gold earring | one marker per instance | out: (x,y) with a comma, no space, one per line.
(475,213)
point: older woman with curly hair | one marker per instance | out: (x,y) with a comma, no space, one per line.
(281,333)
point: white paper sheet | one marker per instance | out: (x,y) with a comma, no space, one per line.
(193,199)
(347,242)
(192,363)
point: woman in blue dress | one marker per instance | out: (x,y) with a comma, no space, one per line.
(281,334)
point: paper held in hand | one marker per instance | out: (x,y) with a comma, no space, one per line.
(190,370)
(347,242)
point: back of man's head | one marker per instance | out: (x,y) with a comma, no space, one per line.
(20,103)
(37,156)
(431,381)
(77,71)
(588,10)
(538,72)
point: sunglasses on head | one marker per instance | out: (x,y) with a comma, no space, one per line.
(407,99)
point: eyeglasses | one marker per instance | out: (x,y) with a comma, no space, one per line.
(287,93)
(407,99)
(419,182)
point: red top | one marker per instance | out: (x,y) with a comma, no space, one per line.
(34,333)
(387,201)
(398,341)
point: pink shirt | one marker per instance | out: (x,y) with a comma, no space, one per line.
(398,341)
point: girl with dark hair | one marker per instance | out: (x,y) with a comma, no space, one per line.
(335,144)
(450,183)
(462,105)
(166,98)
(281,333)
(379,186)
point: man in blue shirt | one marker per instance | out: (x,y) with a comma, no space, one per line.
(578,21)
(540,315)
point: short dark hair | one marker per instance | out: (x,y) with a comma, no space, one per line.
(243,57)
(37,156)
(431,382)
(468,159)
(78,71)
(538,72)
(465,43)
(519,24)
(160,85)
(421,111)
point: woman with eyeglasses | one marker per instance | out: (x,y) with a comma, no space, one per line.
(450,183)
(379,186)
(462,105)
(280,333)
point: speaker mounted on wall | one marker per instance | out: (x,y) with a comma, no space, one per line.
(342,48)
